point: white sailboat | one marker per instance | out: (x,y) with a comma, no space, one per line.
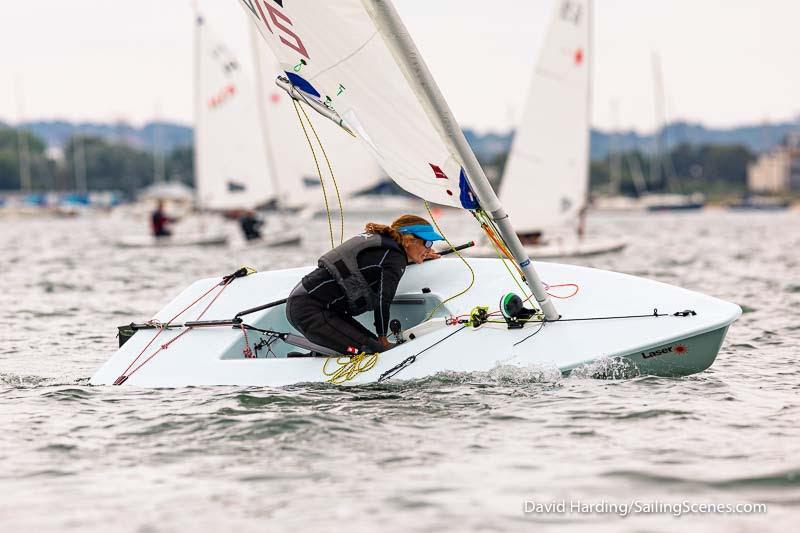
(360,69)
(661,163)
(546,179)
(612,199)
(644,199)
(228,172)
(234,154)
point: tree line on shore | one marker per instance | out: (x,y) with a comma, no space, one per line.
(105,165)
(98,163)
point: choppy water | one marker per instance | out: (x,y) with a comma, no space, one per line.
(455,452)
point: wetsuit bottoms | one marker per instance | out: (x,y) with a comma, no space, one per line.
(328,328)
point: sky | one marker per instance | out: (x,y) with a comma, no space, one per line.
(724,62)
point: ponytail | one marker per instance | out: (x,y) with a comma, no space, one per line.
(383,229)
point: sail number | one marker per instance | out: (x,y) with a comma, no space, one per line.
(571,12)
(279,19)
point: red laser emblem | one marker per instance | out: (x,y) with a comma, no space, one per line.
(438,172)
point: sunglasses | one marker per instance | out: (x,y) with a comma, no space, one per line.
(428,244)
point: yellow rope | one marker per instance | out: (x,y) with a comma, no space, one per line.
(333,176)
(349,367)
(297,109)
(453,248)
(504,260)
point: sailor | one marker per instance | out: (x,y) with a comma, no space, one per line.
(251,225)
(359,275)
(159,221)
(532,238)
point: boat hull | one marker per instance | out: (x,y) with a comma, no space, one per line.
(611,317)
(278,240)
(668,360)
(174,241)
(693,206)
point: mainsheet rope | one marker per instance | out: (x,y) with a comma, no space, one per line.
(298,109)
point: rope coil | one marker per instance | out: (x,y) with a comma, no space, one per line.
(349,367)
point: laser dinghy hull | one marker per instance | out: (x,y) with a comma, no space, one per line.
(592,330)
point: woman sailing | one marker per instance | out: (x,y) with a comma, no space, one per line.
(357,276)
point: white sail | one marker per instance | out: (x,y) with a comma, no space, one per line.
(350,68)
(292,164)
(231,170)
(546,178)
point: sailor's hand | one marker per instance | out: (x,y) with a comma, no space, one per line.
(386,344)
(430,254)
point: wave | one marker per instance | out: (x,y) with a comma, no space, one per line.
(31,381)
(607,368)
(787,478)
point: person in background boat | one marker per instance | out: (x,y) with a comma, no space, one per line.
(359,275)
(159,221)
(251,225)
(533,238)
(581,229)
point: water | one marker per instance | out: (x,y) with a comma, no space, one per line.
(456,451)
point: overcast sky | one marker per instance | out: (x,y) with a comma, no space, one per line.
(725,62)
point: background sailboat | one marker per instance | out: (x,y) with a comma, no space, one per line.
(612,199)
(234,159)
(662,171)
(545,183)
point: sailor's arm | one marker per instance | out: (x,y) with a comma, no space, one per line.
(391,273)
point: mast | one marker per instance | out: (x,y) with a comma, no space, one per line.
(581,229)
(666,157)
(658,102)
(24,159)
(23,149)
(262,119)
(159,163)
(198,21)
(79,162)
(614,159)
(419,77)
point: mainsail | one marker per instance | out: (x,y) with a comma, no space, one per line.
(546,178)
(355,63)
(291,162)
(230,164)
(352,72)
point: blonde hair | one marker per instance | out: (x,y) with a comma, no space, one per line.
(391,231)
